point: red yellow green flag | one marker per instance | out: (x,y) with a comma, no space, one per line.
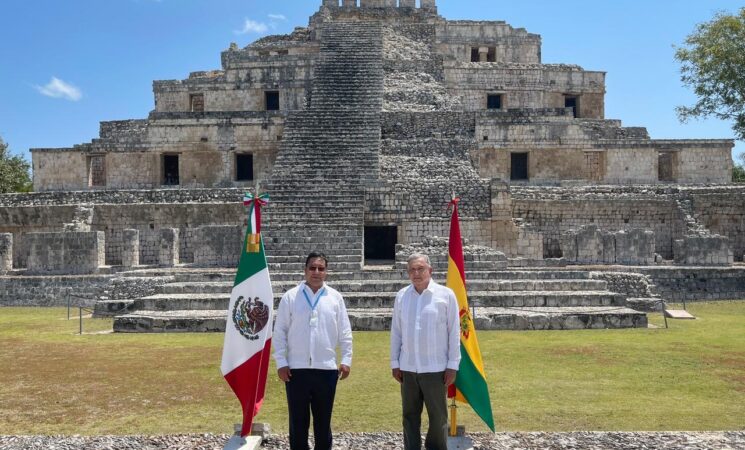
(470,384)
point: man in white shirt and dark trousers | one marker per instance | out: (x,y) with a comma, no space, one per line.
(425,352)
(311,323)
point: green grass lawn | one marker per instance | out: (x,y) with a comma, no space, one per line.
(688,377)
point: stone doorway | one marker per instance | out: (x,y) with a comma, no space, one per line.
(380,244)
(170,170)
(666,166)
(519,167)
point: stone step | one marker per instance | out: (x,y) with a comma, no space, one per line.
(187,274)
(169,302)
(380,320)
(350,286)
(578,318)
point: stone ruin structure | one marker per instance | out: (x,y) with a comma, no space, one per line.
(361,126)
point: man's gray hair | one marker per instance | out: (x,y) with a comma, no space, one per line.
(415,256)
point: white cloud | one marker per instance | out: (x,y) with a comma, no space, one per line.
(251,26)
(57,88)
(277,17)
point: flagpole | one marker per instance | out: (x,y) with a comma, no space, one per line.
(453,419)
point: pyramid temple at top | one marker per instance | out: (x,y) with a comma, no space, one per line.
(361,127)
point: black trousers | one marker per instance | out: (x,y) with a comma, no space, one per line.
(311,390)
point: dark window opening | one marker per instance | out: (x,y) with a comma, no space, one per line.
(474,54)
(196,102)
(283,52)
(272,100)
(571,102)
(519,168)
(170,170)
(244,167)
(491,55)
(494,101)
(380,243)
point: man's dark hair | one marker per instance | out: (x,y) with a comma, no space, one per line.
(314,255)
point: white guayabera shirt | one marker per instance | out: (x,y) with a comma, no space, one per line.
(307,340)
(425,335)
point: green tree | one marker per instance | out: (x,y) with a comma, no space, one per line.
(738,172)
(14,172)
(713,65)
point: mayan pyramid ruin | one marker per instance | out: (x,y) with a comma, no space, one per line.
(361,127)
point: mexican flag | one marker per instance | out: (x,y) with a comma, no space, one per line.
(470,384)
(248,330)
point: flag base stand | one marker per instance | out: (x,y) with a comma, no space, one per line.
(259,432)
(246,443)
(460,443)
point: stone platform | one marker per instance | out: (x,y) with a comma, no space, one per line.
(195,300)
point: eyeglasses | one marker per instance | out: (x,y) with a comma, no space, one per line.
(417,269)
(315,269)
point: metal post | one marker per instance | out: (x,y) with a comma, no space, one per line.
(453,419)
(664,312)
(68,305)
(80,308)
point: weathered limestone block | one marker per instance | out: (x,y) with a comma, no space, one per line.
(82,219)
(169,247)
(349,3)
(429,4)
(6,252)
(407,3)
(714,250)
(331,3)
(66,252)
(569,246)
(609,248)
(635,247)
(218,246)
(590,245)
(130,248)
(529,243)
(377,3)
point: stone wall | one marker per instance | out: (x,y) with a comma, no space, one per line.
(713,250)
(218,246)
(6,253)
(631,285)
(676,284)
(66,252)
(503,236)
(515,45)
(473,81)
(554,217)
(206,147)
(590,245)
(722,211)
(53,290)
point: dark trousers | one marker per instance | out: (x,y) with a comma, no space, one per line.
(418,390)
(311,390)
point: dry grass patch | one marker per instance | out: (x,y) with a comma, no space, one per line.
(689,377)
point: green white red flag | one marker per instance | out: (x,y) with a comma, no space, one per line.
(470,383)
(248,329)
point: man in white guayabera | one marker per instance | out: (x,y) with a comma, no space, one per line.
(311,323)
(425,353)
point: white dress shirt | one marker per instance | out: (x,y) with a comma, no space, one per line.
(425,332)
(302,344)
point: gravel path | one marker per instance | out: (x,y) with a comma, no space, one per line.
(384,441)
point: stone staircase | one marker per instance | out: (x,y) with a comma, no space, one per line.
(329,152)
(196,300)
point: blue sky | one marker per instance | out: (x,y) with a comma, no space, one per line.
(66,65)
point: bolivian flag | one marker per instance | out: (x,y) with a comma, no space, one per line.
(470,384)
(248,330)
